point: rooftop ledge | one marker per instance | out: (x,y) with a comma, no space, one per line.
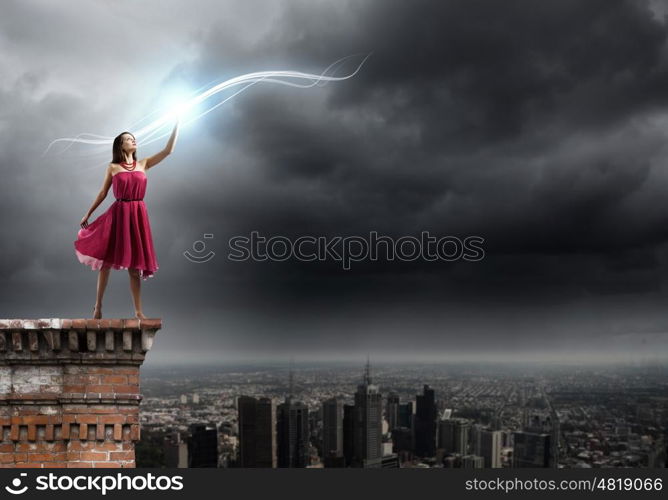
(57,340)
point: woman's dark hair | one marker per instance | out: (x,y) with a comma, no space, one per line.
(117,155)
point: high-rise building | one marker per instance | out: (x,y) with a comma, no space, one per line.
(543,424)
(176,452)
(487,444)
(203,446)
(332,428)
(392,411)
(473,462)
(387,462)
(293,434)
(425,423)
(368,421)
(490,448)
(453,435)
(406,412)
(257,432)
(531,450)
(348,434)
(402,440)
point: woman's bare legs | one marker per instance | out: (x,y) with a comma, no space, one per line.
(102,279)
(135,287)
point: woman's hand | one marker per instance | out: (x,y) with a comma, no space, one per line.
(84,221)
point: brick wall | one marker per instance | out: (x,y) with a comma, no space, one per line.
(69,391)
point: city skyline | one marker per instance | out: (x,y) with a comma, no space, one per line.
(447,417)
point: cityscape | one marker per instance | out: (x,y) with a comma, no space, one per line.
(404,416)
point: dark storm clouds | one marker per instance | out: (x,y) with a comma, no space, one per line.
(537,126)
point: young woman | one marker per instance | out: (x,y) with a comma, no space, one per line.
(121,238)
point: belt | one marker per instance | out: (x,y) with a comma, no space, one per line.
(129,199)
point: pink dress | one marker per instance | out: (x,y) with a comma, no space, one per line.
(120,238)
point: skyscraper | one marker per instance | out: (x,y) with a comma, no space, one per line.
(176,451)
(257,432)
(203,446)
(368,421)
(406,412)
(293,434)
(392,411)
(472,462)
(425,423)
(453,435)
(332,428)
(531,450)
(349,434)
(487,444)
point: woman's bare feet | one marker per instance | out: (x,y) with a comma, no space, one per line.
(97,312)
(140,315)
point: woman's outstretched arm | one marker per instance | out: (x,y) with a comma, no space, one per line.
(106,184)
(151,161)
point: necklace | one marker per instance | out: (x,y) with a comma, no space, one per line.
(130,166)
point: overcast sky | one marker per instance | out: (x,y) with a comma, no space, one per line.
(540,128)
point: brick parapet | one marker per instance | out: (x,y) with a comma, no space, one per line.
(69,391)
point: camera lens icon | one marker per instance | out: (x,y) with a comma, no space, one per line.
(197,255)
(15,488)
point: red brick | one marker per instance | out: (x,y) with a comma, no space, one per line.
(99,388)
(7,458)
(86,419)
(114,379)
(25,447)
(100,370)
(53,447)
(121,455)
(79,446)
(151,324)
(106,465)
(59,465)
(79,465)
(135,434)
(78,324)
(126,389)
(112,419)
(93,455)
(34,419)
(132,410)
(92,324)
(116,324)
(107,446)
(47,457)
(130,324)
(29,411)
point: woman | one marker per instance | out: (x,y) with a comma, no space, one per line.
(121,238)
